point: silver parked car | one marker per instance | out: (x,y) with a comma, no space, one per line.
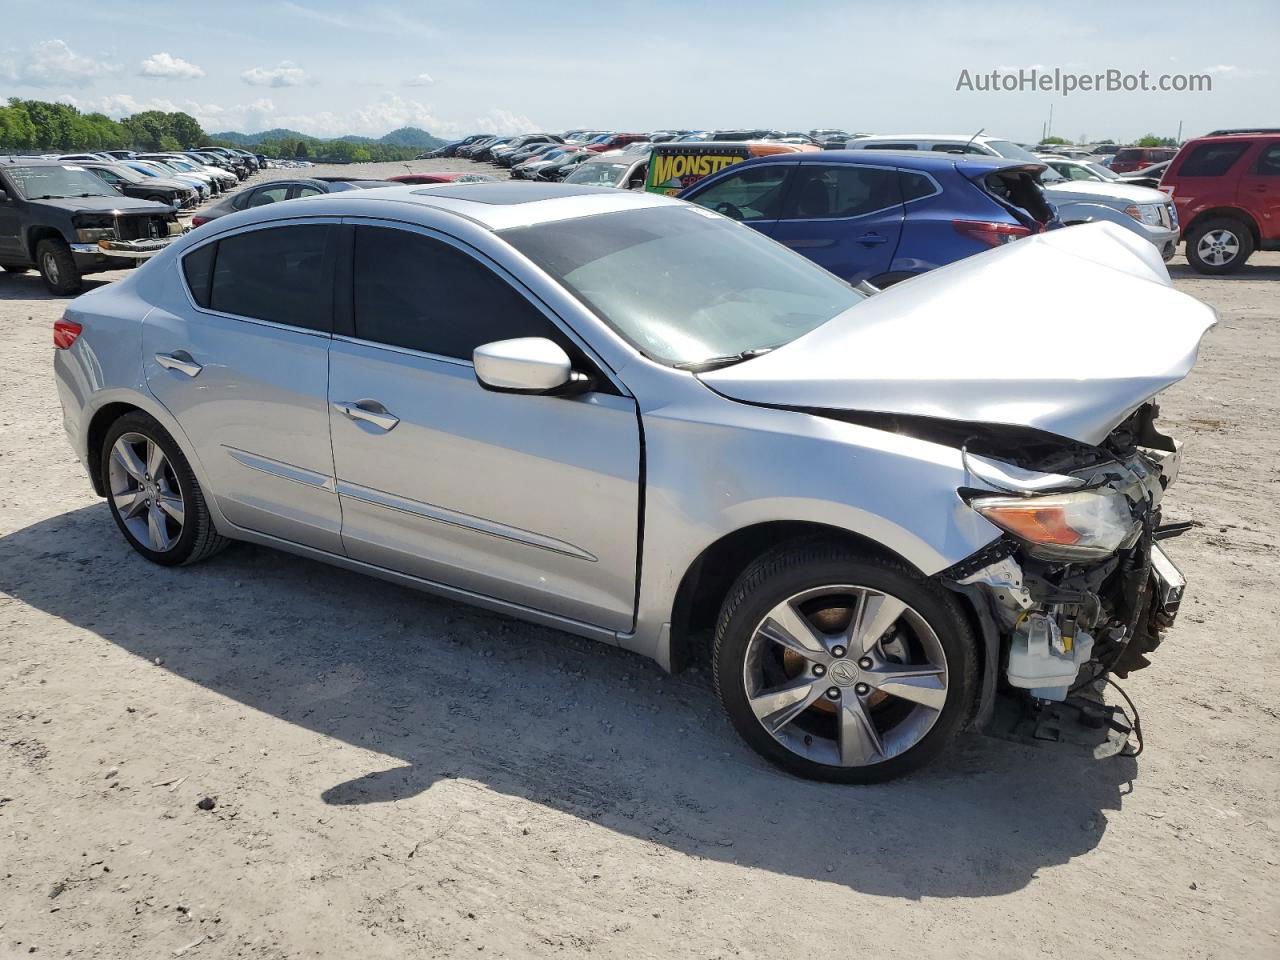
(639,421)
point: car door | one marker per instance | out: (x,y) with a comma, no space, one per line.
(752,194)
(1258,189)
(532,500)
(845,217)
(11,206)
(242,364)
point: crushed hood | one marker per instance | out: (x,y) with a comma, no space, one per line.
(1066,332)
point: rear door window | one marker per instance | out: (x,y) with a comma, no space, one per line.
(281,274)
(890,146)
(1212,159)
(264,195)
(755,193)
(840,191)
(1269,162)
(417,292)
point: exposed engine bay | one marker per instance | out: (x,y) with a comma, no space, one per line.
(1067,623)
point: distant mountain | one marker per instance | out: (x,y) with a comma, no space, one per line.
(404,137)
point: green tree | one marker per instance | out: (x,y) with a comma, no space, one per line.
(185,129)
(17,132)
(1151,140)
(300,152)
(1060,140)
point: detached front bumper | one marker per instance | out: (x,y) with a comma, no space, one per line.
(123,249)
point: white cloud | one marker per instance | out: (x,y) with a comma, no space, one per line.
(51,63)
(168,67)
(421,80)
(286,74)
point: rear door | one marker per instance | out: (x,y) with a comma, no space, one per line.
(1258,190)
(243,366)
(532,500)
(845,217)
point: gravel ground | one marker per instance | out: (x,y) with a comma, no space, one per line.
(392,775)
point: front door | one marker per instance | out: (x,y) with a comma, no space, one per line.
(845,217)
(528,499)
(11,250)
(244,369)
(753,194)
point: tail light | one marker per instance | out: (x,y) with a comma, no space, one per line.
(198,221)
(991,233)
(65,333)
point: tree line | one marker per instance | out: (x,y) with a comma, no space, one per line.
(38,126)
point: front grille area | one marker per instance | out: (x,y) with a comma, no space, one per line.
(140,227)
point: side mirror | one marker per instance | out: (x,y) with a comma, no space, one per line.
(527,365)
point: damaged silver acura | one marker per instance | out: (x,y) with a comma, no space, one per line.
(897,514)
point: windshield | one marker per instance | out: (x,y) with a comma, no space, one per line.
(685,285)
(52,182)
(600,174)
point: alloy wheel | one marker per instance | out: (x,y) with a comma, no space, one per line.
(51,272)
(1218,247)
(145,492)
(845,675)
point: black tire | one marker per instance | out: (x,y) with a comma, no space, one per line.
(1228,228)
(14,269)
(58,267)
(791,569)
(198,539)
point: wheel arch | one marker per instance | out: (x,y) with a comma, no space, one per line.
(41,232)
(708,578)
(1231,213)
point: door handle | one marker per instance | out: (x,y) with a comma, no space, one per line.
(871,239)
(181,361)
(370,411)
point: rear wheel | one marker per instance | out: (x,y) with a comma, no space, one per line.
(153,495)
(58,267)
(842,667)
(1218,246)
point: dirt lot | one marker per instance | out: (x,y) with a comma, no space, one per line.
(398,776)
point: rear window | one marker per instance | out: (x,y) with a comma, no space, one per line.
(1129,156)
(281,274)
(1212,159)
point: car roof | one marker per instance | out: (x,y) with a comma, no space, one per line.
(493,206)
(962,137)
(926,160)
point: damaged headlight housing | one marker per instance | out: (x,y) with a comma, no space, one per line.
(1083,525)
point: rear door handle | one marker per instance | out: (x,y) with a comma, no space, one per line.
(870,239)
(370,411)
(181,361)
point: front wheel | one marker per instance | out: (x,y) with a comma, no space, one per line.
(841,667)
(58,267)
(153,495)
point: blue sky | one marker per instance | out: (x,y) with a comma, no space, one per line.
(330,68)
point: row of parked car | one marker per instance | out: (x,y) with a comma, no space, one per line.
(938,212)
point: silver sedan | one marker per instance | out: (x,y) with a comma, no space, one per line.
(630,418)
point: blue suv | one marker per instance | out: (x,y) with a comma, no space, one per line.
(881,216)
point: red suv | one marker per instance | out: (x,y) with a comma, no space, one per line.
(617,142)
(1135,158)
(1227,190)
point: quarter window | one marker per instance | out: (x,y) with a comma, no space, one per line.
(1211,159)
(915,186)
(417,292)
(843,190)
(751,194)
(282,274)
(197,267)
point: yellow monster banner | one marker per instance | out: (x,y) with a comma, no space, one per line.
(670,173)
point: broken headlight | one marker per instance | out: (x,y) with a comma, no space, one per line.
(1083,525)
